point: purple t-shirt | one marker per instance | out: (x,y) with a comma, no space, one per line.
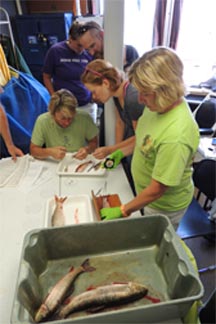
(66,66)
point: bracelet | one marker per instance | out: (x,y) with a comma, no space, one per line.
(123,211)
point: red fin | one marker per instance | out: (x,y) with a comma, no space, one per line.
(90,288)
(67,301)
(71,269)
(152,299)
(86,266)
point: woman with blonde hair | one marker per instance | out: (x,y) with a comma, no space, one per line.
(167,138)
(63,129)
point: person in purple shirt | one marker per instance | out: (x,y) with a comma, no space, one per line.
(63,66)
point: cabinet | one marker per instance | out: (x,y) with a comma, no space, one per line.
(36,33)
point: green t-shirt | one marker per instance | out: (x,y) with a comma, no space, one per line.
(165,147)
(47,132)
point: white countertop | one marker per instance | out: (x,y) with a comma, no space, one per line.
(23,209)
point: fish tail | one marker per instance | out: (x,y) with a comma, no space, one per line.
(86,266)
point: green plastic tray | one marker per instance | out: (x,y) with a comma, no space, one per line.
(143,249)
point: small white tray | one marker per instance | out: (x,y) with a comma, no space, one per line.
(69,165)
(77,210)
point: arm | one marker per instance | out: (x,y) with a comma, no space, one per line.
(42,153)
(134,123)
(126,146)
(5,132)
(151,193)
(47,79)
(84,151)
(119,128)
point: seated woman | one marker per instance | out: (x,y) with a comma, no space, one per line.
(63,129)
(6,135)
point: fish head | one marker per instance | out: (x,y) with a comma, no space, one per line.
(41,313)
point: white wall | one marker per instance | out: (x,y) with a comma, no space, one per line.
(113,52)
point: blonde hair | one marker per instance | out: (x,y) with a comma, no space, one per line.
(159,70)
(98,70)
(62,99)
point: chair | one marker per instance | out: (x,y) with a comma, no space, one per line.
(204,177)
(207,312)
(195,221)
(205,116)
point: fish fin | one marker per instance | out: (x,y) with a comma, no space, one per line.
(66,300)
(63,199)
(91,288)
(120,282)
(95,309)
(86,266)
(71,269)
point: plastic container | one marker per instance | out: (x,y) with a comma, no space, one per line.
(144,249)
(77,209)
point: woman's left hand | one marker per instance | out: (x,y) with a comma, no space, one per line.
(81,153)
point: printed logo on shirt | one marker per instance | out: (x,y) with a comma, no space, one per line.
(75,60)
(147,147)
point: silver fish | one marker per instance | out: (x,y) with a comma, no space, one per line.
(60,291)
(104,296)
(58,217)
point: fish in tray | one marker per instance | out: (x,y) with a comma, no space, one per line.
(104,296)
(82,167)
(58,217)
(60,291)
(88,166)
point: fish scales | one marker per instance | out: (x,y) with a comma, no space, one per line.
(60,290)
(104,296)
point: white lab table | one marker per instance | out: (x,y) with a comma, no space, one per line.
(23,210)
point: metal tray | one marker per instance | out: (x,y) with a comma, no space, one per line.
(143,249)
(69,164)
(77,209)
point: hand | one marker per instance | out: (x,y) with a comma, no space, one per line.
(110,213)
(81,154)
(58,152)
(101,152)
(113,160)
(14,151)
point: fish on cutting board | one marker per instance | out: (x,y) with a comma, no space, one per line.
(104,296)
(58,217)
(60,291)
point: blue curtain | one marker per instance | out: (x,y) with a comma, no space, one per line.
(24,99)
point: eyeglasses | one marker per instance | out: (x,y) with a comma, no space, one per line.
(83,29)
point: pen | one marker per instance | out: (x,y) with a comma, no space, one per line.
(210,268)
